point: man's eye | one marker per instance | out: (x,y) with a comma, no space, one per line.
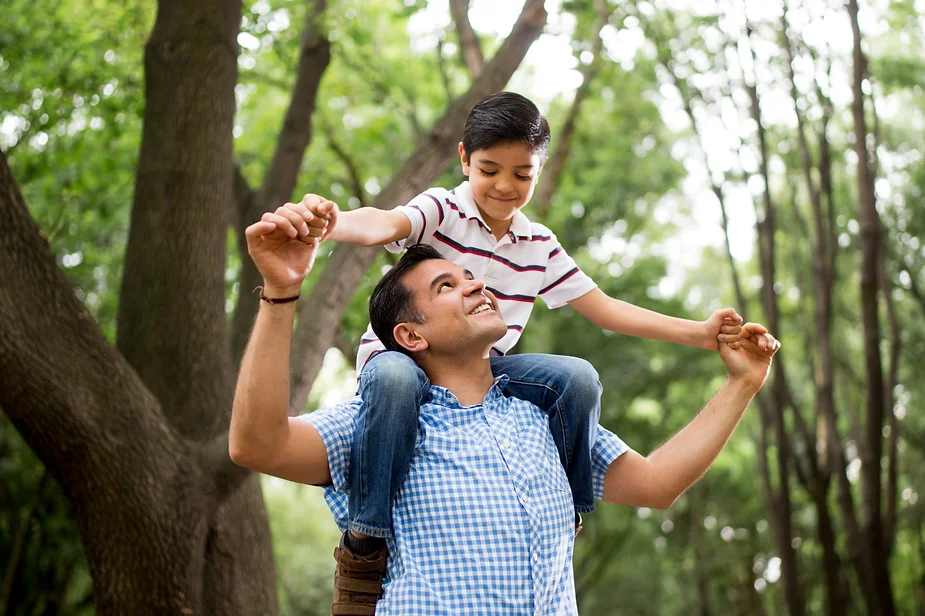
(444,285)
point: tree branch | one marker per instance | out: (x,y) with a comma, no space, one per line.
(320,315)
(469,47)
(556,163)
(280,180)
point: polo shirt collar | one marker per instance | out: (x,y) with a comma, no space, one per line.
(520,224)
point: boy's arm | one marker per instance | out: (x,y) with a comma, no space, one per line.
(658,480)
(366,226)
(623,318)
(369,226)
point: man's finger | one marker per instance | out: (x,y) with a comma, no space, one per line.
(298,222)
(259,228)
(283,224)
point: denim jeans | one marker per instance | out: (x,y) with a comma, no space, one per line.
(392,387)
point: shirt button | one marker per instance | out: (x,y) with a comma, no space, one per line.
(507,444)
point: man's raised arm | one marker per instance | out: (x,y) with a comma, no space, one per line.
(659,479)
(262,436)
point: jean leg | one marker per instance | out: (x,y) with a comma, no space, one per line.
(569,390)
(392,387)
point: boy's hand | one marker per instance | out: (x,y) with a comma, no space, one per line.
(724,325)
(319,207)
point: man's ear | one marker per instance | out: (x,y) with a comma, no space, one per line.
(408,338)
(463,159)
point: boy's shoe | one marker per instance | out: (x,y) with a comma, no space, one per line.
(357,580)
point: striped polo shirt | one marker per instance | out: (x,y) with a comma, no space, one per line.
(526,263)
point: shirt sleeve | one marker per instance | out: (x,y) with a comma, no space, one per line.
(336,427)
(426,212)
(564,280)
(607,448)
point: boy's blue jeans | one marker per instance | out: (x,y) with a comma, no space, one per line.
(392,387)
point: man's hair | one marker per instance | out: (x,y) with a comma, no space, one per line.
(506,117)
(392,302)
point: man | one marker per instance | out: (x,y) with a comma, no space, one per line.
(484,520)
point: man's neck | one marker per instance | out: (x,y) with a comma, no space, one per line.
(469,379)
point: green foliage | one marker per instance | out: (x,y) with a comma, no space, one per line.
(71,99)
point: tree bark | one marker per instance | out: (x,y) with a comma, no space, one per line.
(281,177)
(823,277)
(871,234)
(320,316)
(141,502)
(469,47)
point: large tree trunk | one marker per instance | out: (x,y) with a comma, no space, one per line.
(137,441)
(141,500)
(320,316)
(871,234)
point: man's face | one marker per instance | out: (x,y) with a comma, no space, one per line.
(460,315)
(502,179)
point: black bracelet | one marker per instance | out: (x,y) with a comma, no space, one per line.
(277,300)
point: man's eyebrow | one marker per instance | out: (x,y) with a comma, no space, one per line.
(440,278)
(485,161)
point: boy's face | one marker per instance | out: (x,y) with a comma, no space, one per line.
(502,179)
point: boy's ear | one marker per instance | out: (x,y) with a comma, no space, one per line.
(408,338)
(463,159)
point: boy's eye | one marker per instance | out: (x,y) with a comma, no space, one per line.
(525,178)
(488,173)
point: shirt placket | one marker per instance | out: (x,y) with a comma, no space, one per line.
(503,424)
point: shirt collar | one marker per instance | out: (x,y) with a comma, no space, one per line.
(441,396)
(520,224)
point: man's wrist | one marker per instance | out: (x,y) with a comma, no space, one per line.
(279,292)
(742,385)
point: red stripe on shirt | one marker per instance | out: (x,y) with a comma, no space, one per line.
(568,275)
(487,254)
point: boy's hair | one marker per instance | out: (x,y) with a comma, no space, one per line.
(502,118)
(392,302)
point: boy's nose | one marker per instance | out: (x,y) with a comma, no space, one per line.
(503,186)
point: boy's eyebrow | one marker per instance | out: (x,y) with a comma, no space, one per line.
(439,278)
(485,161)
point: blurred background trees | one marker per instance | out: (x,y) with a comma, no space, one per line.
(765,155)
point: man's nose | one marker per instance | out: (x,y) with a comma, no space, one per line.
(475,286)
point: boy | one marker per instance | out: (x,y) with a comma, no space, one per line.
(479,225)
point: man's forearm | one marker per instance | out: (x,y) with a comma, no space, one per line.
(369,226)
(260,415)
(681,461)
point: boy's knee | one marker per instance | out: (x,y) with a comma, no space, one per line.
(393,374)
(582,376)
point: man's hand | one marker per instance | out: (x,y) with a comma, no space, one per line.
(723,325)
(283,246)
(751,361)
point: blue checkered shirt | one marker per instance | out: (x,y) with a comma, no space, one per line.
(484,521)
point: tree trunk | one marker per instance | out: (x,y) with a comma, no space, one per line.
(872,443)
(320,316)
(137,441)
(141,501)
